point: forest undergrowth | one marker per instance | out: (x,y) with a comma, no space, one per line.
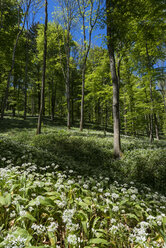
(64,189)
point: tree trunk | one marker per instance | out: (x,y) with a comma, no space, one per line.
(44,72)
(156,127)
(151,128)
(68,77)
(82,100)
(149,65)
(163,95)
(53,101)
(106,116)
(72,105)
(151,115)
(26,77)
(116,116)
(86,49)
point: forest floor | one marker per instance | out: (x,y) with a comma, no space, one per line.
(63,188)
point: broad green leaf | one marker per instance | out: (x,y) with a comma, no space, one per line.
(132,216)
(43,201)
(88,200)
(82,215)
(164,220)
(2,201)
(5,201)
(27,216)
(83,205)
(84,225)
(98,241)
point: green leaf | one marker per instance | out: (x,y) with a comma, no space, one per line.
(91,246)
(132,216)
(84,225)
(88,200)
(2,201)
(43,201)
(8,199)
(98,241)
(83,205)
(27,216)
(5,201)
(82,215)
(36,246)
(164,220)
(47,202)
(52,238)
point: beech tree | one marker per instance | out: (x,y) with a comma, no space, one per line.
(66,15)
(111,50)
(44,71)
(89,14)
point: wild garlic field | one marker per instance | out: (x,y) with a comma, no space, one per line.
(63,189)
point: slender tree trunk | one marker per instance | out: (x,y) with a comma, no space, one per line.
(125,118)
(49,100)
(83,77)
(72,112)
(18,99)
(13,62)
(116,116)
(72,104)
(68,79)
(163,95)
(156,127)
(86,49)
(66,73)
(14,98)
(82,100)
(32,106)
(106,116)
(26,77)
(151,128)
(53,101)
(151,114)
(44,72)
(149,65)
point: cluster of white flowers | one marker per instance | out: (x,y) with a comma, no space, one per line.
(139,235)
(72,239)
(38,198)
(39,229)
(85,186)
(61,204)
(114,196)
(72,227)
(70,182)
(115,209)
(12,214)
(52,227)
(23,213)
(114,229)
(14,242)
(133,197)
(133,190)
(68,215)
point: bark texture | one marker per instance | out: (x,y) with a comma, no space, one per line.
(111,51)
(44,72)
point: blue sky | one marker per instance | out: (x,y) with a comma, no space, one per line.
(97,39)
